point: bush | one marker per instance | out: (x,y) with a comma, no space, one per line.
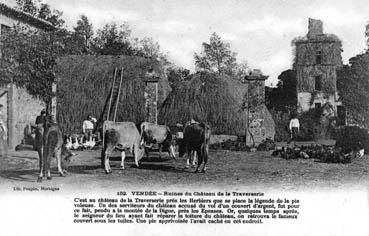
(281,120)
(352,138)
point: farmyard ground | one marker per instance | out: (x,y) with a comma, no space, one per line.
(226,170)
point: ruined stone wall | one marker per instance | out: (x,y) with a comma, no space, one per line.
(306,78)
(261,125)
(23,111)
(317,54)
(330,48)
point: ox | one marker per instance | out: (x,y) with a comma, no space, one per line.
(196,138)
(48,143)
(157,134)
(120,135)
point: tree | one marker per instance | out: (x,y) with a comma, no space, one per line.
(216,56)
(114,40)
(176,75)
(284,96)
(28,6)
(241,70)
(42,11)
(353,87)
(29,58)
(82,34)
(149,48)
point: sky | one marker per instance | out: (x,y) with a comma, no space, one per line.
(259,31)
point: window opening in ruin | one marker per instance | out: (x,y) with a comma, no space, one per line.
(318,83)
(319,57)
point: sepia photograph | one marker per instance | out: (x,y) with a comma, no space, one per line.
(162,117)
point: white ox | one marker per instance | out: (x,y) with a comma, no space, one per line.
(120,135)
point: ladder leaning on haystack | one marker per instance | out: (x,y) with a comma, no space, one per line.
(109,112)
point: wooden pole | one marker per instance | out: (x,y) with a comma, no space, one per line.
(111,94)
(117,101)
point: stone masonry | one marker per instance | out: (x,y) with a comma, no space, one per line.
(318,55)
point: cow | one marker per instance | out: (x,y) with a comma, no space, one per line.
(48,143)
(157,134)
(196,138)
(120,135)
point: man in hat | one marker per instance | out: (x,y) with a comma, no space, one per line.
(40,120)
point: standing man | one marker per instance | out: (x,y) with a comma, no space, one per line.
(3,134)
(41,118)
(294,128)
(88,126)
(40,121)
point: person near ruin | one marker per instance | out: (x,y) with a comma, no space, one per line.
(88,126)
(40,120)
(3,134)
(294,128)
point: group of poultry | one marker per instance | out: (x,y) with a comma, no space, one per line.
(327,154)
(79,142)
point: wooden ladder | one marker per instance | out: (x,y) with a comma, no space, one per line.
(112,101)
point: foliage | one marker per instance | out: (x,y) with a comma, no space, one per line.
(82,34)
(113,39)
(284,96)
(281,120)
(353,87)
(29,60)
(309,123)
(216,56)
(352,138)
(176,75)
(241,70)
(41,10)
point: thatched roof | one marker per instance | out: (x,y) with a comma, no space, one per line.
(85,82)
(212,98)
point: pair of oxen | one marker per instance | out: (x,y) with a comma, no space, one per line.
(125,135)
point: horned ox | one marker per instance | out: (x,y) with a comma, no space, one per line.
(157,134)
(49,142)
(196,138)
(120,135)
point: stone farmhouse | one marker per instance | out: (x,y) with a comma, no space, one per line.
(19,108)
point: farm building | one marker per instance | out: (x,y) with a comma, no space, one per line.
(19,108)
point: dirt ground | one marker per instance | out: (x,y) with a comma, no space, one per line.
(226,169)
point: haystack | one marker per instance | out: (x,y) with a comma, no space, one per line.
(212,98)
(84,83)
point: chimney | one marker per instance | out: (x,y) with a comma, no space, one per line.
(315,28)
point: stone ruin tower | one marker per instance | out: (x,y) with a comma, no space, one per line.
(318,56)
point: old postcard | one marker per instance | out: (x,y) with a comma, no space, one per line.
(184,117)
